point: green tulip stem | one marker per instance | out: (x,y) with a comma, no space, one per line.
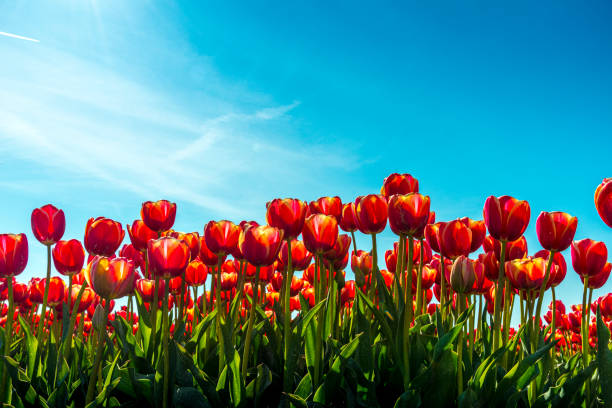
(99,352)
(536,323)
(41,322)
(442,288)
(399,269)
(220,312)
(287,318)
(499,287)
(585,337)
(460,303)
(354,242)
(71,324)
(166,335)
(154,318)
(407,315)
(419,307)
(249,333)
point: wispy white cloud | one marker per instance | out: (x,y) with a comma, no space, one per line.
(19,37)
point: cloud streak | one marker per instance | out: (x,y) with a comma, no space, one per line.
(19,37)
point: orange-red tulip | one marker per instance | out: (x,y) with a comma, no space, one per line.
(140,234)
(391,260)
(506,217)
(514,249)
(68,257)
(130,252)
(111,278)
(48,224)
(479,231)
(13,254)
(191,238)
(196,273)
(340,249)
(490,264)
(103,236)
(598,280)
(146,289)
(408,214)
(168,257)
(86,298)
(207,256)
(300,256)
(527,273)
(288,215)
(228,280)
(57,289)
(603,201)
(221,237)
(432,235)
(455,239)
(361,262)
(558,268)
(399,184)
(159,215)
(588,256)
(347,221)
(371,213)
(482,283)
(328,206)
(320,233)
(260,245)
(556,230)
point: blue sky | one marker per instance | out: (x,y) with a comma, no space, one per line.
(222,107)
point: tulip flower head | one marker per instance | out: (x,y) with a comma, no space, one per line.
(347,221)
(506,217)
(48,224)
(111,278)
(159,215)
(328,206)
(140,234)
(455,239)
(260,245)
(371,213)
(408,214)
(527,273)
(320,233)
(221,237)
(288,215)
(103,236)
(168,257)
(588,256)
(399,184)
(603,201)
(196,273)
(300,256)
(556,230)
(462,275)
(13,254)
(68,257)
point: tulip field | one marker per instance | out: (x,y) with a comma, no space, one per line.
(246,315)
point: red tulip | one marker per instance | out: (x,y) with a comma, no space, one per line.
(479,231)
(86,298)
(13,254)
(57,289)
(598,280)
(159,215)
(556,230)
(130,252)
(111,278)
(527,273)
(320,233)
(196,273)
(408,214)
(347,293)
(191,238)
(391,260)
(260,245)
(168,257)
(140,234)
(361,262)
(490,264)
(462,275)
(103,236)
(48,224)
(588,256)
(207,256)
(605,304)
(558,268)
(288,215)
(20,293)
(228,280)
(514,249)
(603,201)
(146,289)
(482,283)
(371,213)
(428,277)
(399,184)
(432,235)
(221,237)
(506,217)
(300,256)
(455,239)
(328,206)
(347,221)
(68,257)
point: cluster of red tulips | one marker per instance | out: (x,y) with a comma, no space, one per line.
(253,266)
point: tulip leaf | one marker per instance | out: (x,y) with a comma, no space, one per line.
(604,359)
(190,397)
(31,345)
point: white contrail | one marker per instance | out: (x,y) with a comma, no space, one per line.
(19,37)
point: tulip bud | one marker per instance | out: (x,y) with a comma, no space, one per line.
(103,236)
(159,215)
(13,254)
(506,217)
(320,233)
(68,257)
(288,215)
(462,275)
(371,213)
(556,230)
(399,184)
(260,245)
(408,214)
(588,256)
(347,221)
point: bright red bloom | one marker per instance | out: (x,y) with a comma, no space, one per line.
(514,249)
(13,254)
(527,273)
(159,215)
(506,217)
(408,214)
(168,257)
(48,224)
(428,277)
(455,239)
(328,206)
(435,264)
(86,299)
(399,184)
(228,280)
(300,256)
(20,293)
(598,280)
(57,289)
(361,262)
(391,260)
(320,233)
(432,235)
(191,238)
(603,201)
(371,213)
(207,256)
(221,237)
(482,283)
(340,249)
(130,252)
(196,273)
(588,256)
(491,265)
(111,278)
(479,231)
(140,234)
(558,268)
(347,221)
(260,245)
(288,215)
(103,236)
(556,230)
(146,289)
(605,304)
(68,257)
(175,285)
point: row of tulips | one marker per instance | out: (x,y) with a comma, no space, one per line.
(259,334)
